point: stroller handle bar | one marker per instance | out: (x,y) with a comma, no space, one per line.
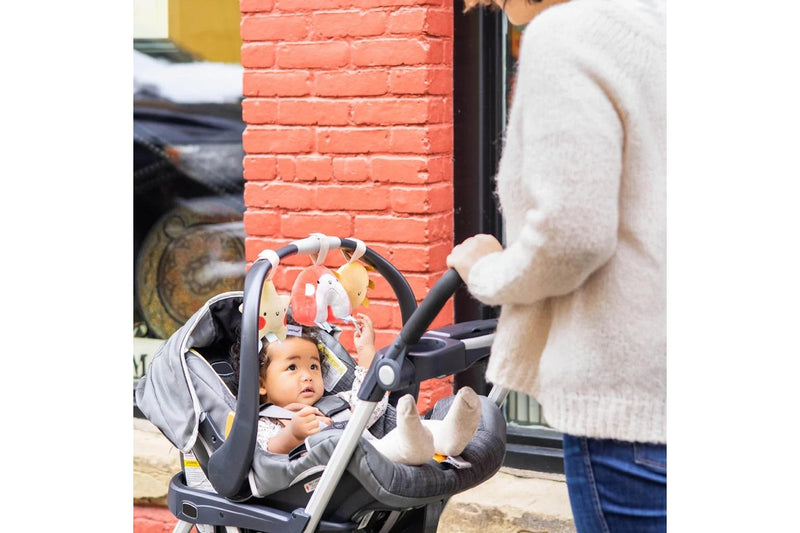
(229,465)
(389,371)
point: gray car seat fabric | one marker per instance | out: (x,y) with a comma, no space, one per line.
(169,393)
(397,485)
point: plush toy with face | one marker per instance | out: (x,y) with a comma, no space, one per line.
(355,279)
(318,297)
(272,313)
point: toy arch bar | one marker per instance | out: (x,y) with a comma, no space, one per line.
(229,465)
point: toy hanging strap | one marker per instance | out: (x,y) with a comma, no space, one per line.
(324,246)
(356,254)
(274,260)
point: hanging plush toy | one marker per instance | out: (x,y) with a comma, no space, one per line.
(272,306)
(272,313)
(355,279)
(318,297)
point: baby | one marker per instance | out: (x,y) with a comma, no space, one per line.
(291,378)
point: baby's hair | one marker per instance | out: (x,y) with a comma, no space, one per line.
(306,332)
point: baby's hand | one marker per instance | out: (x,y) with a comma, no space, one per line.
(305,422)
(364,340)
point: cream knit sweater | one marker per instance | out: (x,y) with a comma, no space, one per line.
(582,185)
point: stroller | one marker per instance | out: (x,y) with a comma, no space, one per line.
(340,482)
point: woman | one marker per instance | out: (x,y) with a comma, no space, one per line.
(582,279)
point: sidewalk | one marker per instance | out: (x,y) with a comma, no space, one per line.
(512,501)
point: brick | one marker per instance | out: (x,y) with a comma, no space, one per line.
(152,519)
(267,140)
(383,291)
(351,198)
(441,227)
(384,314)
(429,199)
(398,169)
(299,225)
(439,22)
(440,137)
(351,23)
(413,140)
(423,140)
(353,140)
(369,4)
(385,228)
(409,80)
(275,83)
(419,259)
(420,283)
(411,258)
(261,222)
(314,168)
(387,111)
(255,245)
(351,169)
(274,28)
(389,52)
(436,51)
(280,195)
(407,21)
(433,390)
(259,110)
(312,5)
(351,83)
(286,168)
(441,81)
(324,55)
(257,168)
(325,112)
(258,55)
(440,169)
(420,80)
(256,6)
(440,110)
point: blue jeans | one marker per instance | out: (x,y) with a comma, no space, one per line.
(615,486)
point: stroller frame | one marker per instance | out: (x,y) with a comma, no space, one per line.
(398,367)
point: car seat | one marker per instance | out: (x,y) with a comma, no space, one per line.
(340,482)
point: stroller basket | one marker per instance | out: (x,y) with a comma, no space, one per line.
(341,482)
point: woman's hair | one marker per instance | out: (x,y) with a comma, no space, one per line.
(306,332)
(469,4)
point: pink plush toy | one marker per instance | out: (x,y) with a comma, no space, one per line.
(318,297)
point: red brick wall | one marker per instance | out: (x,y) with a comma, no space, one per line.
(153,519)
(348,105)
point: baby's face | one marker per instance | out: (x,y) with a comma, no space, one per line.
(294,373)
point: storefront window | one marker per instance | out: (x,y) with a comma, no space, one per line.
(188,240)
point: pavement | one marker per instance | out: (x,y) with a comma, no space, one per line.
(512,501)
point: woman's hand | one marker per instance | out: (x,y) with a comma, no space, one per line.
(465,255)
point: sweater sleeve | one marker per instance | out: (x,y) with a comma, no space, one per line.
(568,153)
